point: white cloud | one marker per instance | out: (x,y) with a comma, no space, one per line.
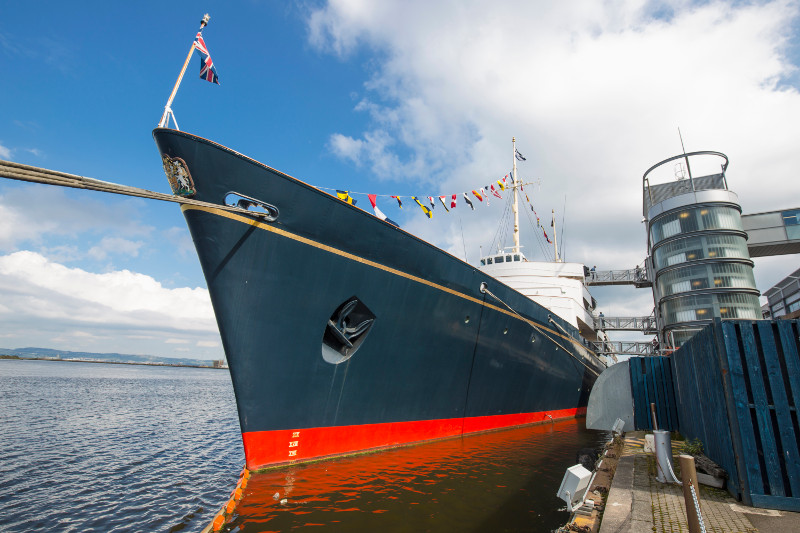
(82,337)
(114,246)
(123,296)
(62,253)
(82,334)
(594,93)
(346,147)
(28,125)
(181,240)
(207,344)
(30,212)
(43,299)
(594,83)
(5,153)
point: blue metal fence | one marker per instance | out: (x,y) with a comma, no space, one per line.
(737,389)
(701,399)
(651,382)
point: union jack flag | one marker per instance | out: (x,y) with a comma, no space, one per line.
(207,70)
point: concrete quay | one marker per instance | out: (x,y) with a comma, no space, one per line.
(636,502)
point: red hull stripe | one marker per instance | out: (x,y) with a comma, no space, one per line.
(265,448)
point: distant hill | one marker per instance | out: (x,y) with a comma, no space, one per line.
(46,353)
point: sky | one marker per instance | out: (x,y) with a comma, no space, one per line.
(390,98)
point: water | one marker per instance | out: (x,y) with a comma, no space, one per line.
(500,481)
(97,447)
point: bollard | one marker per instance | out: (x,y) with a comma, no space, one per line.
(663,445)
(689,477)
(653,414)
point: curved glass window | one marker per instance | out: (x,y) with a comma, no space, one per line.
(732,276)
(699,247)
(691,308)
(706,276)
(695,219)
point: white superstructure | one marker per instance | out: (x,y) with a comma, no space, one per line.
(556,286)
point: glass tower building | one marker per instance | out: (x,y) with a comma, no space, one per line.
(697,249)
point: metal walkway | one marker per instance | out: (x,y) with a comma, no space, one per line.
(634,276)
(644,324)
(772,233)
(623,348)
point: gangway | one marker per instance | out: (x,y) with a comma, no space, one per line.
(623,348)
(643,324)
(634,276)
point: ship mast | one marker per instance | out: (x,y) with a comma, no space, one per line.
(514,207)
(555,237)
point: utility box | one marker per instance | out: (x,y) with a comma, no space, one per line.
(574,485)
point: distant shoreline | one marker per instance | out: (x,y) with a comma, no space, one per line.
(18,358)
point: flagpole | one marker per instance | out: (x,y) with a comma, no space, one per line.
(555,236)
(514,186)
(168,108)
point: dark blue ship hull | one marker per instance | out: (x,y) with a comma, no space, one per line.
(344,333)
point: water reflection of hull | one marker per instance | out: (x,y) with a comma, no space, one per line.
(500,481)
(345,333)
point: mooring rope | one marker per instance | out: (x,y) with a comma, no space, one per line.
(486,290)
(20,172)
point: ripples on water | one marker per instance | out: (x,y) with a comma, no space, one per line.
(500,481)
(96,447)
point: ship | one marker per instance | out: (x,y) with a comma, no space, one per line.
(557,285)
(344,333)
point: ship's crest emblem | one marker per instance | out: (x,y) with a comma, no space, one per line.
(180,180)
